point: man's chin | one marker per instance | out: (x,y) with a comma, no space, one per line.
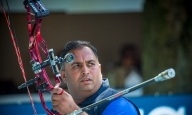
(87,87)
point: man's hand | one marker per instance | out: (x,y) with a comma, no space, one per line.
(62,101)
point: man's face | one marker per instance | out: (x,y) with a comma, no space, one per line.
(83,76)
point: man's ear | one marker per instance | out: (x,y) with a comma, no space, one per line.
(100,66)
(63,76)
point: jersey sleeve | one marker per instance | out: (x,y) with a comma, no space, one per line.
(121,106)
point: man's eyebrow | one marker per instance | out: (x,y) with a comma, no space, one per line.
(91,61)
(75,63)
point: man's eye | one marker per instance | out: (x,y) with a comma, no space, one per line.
(91,64)
(76,66)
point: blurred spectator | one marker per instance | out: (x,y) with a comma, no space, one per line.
(127,72)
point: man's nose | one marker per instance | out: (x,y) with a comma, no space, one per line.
(85,70)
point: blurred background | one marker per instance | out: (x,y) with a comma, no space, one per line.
(136,40)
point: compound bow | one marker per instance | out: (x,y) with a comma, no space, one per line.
(35,13)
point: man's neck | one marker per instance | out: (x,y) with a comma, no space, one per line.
(80,98)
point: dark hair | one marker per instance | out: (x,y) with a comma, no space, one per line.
(77,44)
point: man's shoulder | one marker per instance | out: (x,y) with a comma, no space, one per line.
(108,92)
(121,105)
(116,106)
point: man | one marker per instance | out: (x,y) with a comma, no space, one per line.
(85,84)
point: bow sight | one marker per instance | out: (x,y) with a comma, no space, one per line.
(53,61)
